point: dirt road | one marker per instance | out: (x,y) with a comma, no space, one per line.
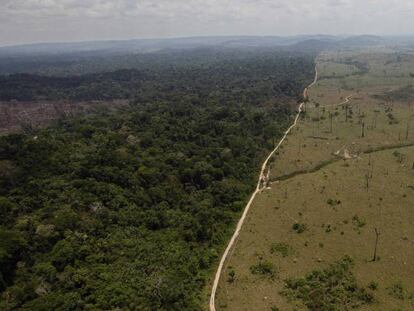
(258,189)
(347,100)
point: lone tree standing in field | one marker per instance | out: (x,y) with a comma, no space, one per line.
(367,180)
(363,129)
(317,105)
(377,233)
(330,119)
(376,112)
(408,128)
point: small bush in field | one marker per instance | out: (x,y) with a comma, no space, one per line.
(299,228)
(264,268)
(282,249)
(333,288)
(373,285)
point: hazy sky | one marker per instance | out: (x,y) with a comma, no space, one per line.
(23,21)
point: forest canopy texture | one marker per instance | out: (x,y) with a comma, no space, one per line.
(130,209)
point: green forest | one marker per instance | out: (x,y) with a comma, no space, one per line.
(238,75)
(129,210)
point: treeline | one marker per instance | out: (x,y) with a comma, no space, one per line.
(128,210)
(404,94)
(82,63)
(198,71)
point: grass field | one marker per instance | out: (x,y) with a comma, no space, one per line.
(345,174)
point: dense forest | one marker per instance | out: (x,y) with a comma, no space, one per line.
(69,61)
(129,209)
(202,72)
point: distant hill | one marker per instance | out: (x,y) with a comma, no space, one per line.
(142,45)
(150,45)
(72,58)
(365,40)
(314,45)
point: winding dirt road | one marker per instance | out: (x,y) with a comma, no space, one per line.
(259,188)
(347,100)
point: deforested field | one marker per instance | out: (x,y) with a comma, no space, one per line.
(334,230)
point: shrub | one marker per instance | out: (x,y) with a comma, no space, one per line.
(373,285)
(264,268)
(333,288)
(333,202)
(299,228)
(358,222)
(400,157)
(281,248)
(397,291)
(232,276)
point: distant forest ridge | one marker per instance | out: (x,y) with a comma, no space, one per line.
(99,56)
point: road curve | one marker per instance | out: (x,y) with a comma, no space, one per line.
(247,208)
(347,100)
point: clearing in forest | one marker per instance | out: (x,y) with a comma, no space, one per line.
(335,229)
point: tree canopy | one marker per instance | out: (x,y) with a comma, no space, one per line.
(129,209)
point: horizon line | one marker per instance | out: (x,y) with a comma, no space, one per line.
(199,37)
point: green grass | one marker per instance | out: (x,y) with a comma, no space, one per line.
(281,249)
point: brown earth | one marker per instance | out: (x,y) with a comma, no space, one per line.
(16,116)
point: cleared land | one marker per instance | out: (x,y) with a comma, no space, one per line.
(16,116)
(345,173)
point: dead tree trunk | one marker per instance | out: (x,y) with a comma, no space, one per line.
(363,129)
(377,233)
(330,118)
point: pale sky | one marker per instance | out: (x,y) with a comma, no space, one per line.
(27,21)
